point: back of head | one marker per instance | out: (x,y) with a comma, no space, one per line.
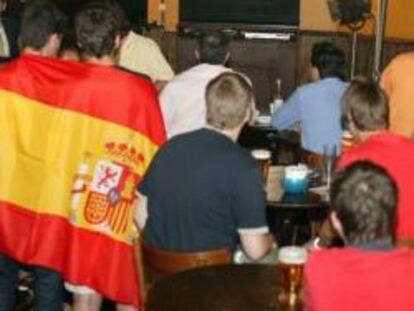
(329,60)
(229,99)
(40,20)
(364,198)
(365,104)
(97,26)
(213,48)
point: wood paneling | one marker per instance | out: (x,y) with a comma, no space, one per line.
(264,61)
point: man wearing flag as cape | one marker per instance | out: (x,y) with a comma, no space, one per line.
(76,140)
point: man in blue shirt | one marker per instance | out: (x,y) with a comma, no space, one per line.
(317,106)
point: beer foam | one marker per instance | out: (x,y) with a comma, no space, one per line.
(261,154)
(293,255)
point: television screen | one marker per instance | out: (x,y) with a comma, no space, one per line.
(272,12)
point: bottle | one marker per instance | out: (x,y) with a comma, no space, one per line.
(278,99)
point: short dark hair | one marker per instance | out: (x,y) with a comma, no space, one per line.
(364,197)
(97,27)
(367,104)
(213,47)
(229,98)
(40,20)
(328,59)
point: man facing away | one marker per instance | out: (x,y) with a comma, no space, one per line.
(203,190)
(368,273)
(41,28)
(366,108)
(316,106)
(397,80)
(128,150)
(183,98)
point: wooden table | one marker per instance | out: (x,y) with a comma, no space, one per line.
(228,287)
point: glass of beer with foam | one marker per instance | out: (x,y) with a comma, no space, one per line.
(263,158)
(291,260)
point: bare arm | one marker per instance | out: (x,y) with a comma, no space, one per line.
(256,245)
(141,211)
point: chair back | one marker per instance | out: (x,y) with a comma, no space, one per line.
(158,263)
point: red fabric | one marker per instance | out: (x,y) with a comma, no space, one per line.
(77,91)
(396,154)
(46,233)
(358,280)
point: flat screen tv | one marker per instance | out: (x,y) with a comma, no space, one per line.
(258,12)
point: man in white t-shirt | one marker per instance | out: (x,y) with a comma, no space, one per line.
(182,100)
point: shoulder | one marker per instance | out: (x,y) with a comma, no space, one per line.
(402,60)
(140,41)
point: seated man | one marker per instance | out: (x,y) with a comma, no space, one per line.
(317,106)
(203,190)
(183,101)
(366,107)
(368,274)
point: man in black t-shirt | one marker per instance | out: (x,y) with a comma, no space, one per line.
(202,190)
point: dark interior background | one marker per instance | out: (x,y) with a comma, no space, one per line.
(275,12)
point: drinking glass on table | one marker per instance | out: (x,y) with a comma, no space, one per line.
(328,164)
(291,260)
(263,158)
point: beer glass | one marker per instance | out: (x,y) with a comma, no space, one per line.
(291,260)
(328,165)
(263,158)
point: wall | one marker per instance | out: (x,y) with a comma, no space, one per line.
(315,17)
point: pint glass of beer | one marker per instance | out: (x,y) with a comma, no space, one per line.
(263,157)
(291,260)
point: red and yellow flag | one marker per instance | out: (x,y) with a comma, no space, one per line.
(75,140)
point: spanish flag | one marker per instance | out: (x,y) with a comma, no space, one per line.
(75,140)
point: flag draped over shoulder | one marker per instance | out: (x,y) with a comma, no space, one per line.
(75,140)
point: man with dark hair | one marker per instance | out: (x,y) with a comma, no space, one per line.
(368,273)
(364,201)
(98,33)
(316,106)
(203,191)
(109,192)
(41,29)
(182,100)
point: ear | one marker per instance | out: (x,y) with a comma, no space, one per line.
(197,55)
(315,74)
(117,43)
(53,45)
(336,224)
(226,59)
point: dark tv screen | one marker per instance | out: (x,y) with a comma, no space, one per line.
(272,12)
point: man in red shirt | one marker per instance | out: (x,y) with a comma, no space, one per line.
(367,110)
(368,274)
